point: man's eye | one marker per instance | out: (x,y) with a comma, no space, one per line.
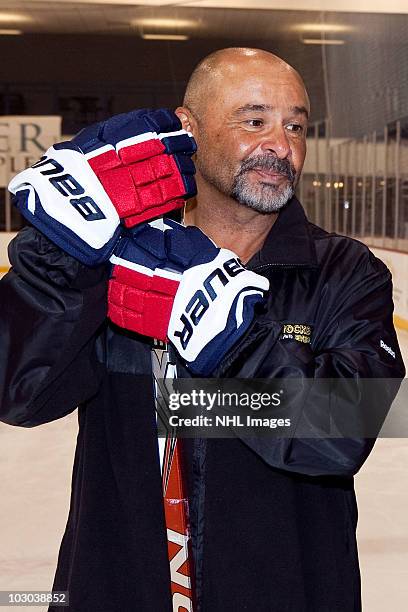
(295,127)
(255,122)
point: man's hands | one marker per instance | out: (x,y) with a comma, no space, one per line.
(168,281)
(62,197)
(172,282)
(145,277)
(143,160)
(132,167)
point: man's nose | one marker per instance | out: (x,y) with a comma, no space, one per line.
(276,141)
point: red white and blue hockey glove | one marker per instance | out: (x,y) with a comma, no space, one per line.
(117,169)
(62,197)
(171,282)
(143,160)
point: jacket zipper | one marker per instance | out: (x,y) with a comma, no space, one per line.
(283,265)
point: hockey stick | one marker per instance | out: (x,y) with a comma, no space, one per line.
(174,493)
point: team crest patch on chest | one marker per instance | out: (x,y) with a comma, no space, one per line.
(301,332)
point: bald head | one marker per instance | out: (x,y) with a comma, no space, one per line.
(215,73)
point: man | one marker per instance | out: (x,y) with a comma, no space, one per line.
(273,520)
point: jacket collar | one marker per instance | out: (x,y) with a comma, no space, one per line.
(290,241)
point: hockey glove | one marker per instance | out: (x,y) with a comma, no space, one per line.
(172,282)
(63,198)
(143,160)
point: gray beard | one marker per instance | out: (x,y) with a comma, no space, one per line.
(264,198)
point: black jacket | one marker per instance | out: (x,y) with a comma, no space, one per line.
(273,521)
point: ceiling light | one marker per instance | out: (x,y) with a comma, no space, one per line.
(9,17)
(10,32)
(321,41)
(164,23)
(165,37)
(322,27)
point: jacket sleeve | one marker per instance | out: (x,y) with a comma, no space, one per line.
(346,383)
(51,309)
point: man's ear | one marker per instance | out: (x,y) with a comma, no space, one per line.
(188,121)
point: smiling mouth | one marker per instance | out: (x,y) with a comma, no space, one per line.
(271,176)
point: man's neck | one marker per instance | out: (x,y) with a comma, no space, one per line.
(229,224)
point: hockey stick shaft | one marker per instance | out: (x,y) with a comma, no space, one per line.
(175,498)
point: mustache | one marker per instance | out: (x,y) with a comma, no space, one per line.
(269,163)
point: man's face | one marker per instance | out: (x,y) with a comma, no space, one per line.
(252,137)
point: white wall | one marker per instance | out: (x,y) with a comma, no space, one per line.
(5,238)
(398,264)
(354,158)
